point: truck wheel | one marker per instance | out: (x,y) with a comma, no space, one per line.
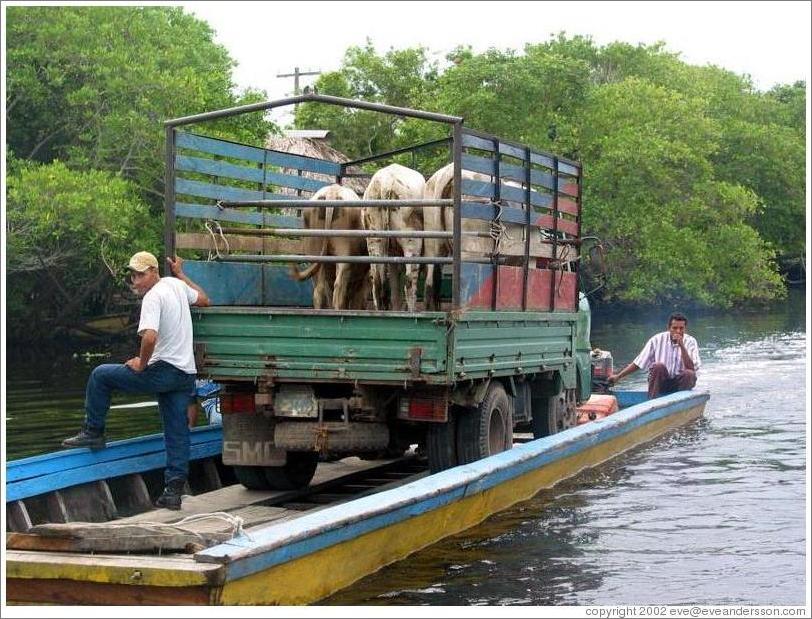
(441,444)
(486,429)
(252,477)
(554,414)
(296,473)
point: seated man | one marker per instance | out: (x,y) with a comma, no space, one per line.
(671,358)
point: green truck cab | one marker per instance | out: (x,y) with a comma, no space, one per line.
(507,348)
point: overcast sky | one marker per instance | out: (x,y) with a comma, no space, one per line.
(770,41)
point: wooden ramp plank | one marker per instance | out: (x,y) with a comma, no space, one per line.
(286,515)
(236,496)
(168,571)
(260,515)
(28,564)
(109,537)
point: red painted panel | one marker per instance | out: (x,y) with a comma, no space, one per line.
(568,206)
(571,189)
(564,225)
(538,294)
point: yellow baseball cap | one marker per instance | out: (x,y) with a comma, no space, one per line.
(142,261)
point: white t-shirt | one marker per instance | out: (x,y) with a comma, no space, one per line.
(165,309)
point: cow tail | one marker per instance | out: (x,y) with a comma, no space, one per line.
(314,268)
(309,272)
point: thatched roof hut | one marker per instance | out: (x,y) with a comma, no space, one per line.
(314,144)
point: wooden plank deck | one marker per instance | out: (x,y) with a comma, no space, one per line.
(237,496)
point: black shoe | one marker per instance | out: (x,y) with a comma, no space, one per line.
(172,495)
(87,437)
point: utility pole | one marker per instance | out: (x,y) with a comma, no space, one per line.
(296,75)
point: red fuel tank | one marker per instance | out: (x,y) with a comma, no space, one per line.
(597,407)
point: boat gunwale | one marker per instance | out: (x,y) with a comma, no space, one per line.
(44,473)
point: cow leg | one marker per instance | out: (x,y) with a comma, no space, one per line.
(318,296)
(410,288)
(394,286)
(374,279)
(322,288)
(432,222)
(341,289)
(360,294)
(430,290)
(412,248)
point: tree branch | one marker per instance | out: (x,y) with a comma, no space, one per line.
(14,102)
(45,140)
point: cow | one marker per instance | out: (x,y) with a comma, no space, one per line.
(394,182)
(441,187)
(342,285)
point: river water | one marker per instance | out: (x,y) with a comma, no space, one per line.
(712,513)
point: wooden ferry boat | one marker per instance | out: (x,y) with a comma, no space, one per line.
(81,528)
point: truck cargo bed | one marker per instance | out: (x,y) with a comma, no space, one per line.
(286,344)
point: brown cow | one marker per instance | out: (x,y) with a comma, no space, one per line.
(394,182)
(342,285)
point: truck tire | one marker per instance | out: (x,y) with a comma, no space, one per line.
(252,477)
(554,413)
(296,473)
(358,438)
(486,429)
(441,444)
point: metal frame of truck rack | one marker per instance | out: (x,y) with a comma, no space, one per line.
(456,139)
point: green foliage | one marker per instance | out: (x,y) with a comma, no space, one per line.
(693,178)
(88,90)
(93,85)
(399,77)
(62,227)
(791,105)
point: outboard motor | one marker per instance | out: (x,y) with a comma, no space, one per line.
(602,368)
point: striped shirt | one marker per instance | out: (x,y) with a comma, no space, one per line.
(660,349)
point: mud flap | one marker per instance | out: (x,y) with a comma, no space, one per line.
(248,441)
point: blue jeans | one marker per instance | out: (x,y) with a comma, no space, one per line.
(174,389)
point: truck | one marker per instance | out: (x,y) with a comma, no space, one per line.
(506,350)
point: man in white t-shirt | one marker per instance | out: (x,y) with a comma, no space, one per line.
(165,366)
(671,358)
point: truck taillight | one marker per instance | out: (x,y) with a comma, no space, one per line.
(237,403)
(423,409)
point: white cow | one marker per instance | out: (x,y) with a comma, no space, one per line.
(441,187)
(394,182)
(342,285)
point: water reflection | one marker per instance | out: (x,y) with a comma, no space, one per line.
(45,404)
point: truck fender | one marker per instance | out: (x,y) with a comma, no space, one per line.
(510,387)
(469,394)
